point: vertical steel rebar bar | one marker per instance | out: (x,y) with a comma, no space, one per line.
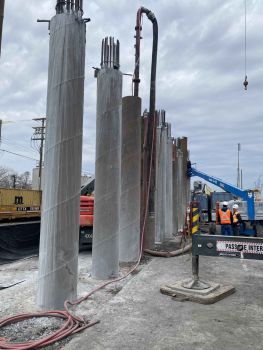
(81,5)
(68,6)
(110,53)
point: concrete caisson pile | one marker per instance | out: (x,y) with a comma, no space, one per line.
(161,178)
(59,240)
(130,179)
(182,182)
(175,188)
(105,245)
(169,185)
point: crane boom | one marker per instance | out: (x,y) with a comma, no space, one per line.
(247,196)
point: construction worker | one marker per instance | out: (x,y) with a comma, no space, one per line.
(225,219)
(237,220)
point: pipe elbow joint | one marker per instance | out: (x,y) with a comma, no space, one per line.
(149,14)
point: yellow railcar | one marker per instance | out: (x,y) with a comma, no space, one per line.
(16,204)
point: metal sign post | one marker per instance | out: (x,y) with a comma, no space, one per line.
(221,246)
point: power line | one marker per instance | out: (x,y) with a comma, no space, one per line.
(17,154)
(20,147)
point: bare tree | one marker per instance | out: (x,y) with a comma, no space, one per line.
(11,179)
(5,180)
(24,181)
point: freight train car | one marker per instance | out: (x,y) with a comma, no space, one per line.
(17,204)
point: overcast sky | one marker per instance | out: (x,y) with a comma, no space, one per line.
(199,76)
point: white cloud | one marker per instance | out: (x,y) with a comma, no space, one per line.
(199,76)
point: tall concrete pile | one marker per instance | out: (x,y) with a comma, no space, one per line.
(172,183)
(161,178)
(181,184)
(175,187)
(164,180)
(105,245)
(169,185)
(59,238)
(130,179)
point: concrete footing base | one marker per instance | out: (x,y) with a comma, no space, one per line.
(209,295)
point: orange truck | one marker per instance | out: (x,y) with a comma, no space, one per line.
(86,220)
(18,205)
(86,214)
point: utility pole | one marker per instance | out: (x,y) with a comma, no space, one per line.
(39,135)
(14,180)
(238,169)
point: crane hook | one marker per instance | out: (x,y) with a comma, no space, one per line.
(245,83)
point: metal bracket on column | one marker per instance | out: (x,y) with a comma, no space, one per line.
(44,21)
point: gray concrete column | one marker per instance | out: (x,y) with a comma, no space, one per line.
(180,201)
(105,245)
(129,239)
(160,196)
(59,238)
(182,181)
(184,175)
(169,185)
(188,184)
(175,188)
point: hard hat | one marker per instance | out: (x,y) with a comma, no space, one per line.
(225,204)
(235,206)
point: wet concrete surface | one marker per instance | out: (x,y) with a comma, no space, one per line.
(135,315)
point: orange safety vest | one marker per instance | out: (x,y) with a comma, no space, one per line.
(235,219)
(225,217)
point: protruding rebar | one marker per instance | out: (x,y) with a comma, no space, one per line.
(163,117)
(76,5)
(69,6)
(118,55)
(110,52)
(60,6)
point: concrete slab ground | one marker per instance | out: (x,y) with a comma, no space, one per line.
(135,315)
(21,298)
(140,317)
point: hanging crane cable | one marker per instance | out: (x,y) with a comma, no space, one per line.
(245,81)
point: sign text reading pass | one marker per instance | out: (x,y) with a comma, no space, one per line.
(235,247)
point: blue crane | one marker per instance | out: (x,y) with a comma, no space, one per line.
(247,196)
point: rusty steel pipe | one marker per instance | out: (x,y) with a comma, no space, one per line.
(136,79)
(138,28)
